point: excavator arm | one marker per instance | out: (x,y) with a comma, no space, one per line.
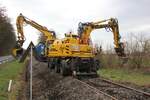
(21,20)
(85,29)
(20,24)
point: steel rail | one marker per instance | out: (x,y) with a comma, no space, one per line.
(124,86)
(97,90)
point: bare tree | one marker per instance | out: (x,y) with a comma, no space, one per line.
(138,53)
(41,38)
(137,49)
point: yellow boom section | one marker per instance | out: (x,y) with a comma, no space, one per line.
(20,24)
(111,24)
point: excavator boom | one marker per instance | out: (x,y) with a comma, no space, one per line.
(85,29)
(21,20)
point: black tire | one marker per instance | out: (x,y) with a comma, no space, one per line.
(97,64)
(49,65)
(63,69)
(56,69)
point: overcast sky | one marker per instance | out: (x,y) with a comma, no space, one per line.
(64,15)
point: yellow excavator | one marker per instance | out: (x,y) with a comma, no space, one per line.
(72,55)
(48,34)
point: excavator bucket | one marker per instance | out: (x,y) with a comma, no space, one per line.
(120,51)
(20,53)
(17,51)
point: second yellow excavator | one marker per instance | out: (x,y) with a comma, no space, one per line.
(74,54)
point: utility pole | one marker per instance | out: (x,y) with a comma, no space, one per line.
(31,55)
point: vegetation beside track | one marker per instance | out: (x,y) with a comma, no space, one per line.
(7,33)
(126,75)
(10,71)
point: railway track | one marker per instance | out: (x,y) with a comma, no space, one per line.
(116,90)
(51,86)
(55,95)
(102,95)
(109,97)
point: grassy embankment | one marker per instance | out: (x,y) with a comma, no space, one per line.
(124,75)
(10,71)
